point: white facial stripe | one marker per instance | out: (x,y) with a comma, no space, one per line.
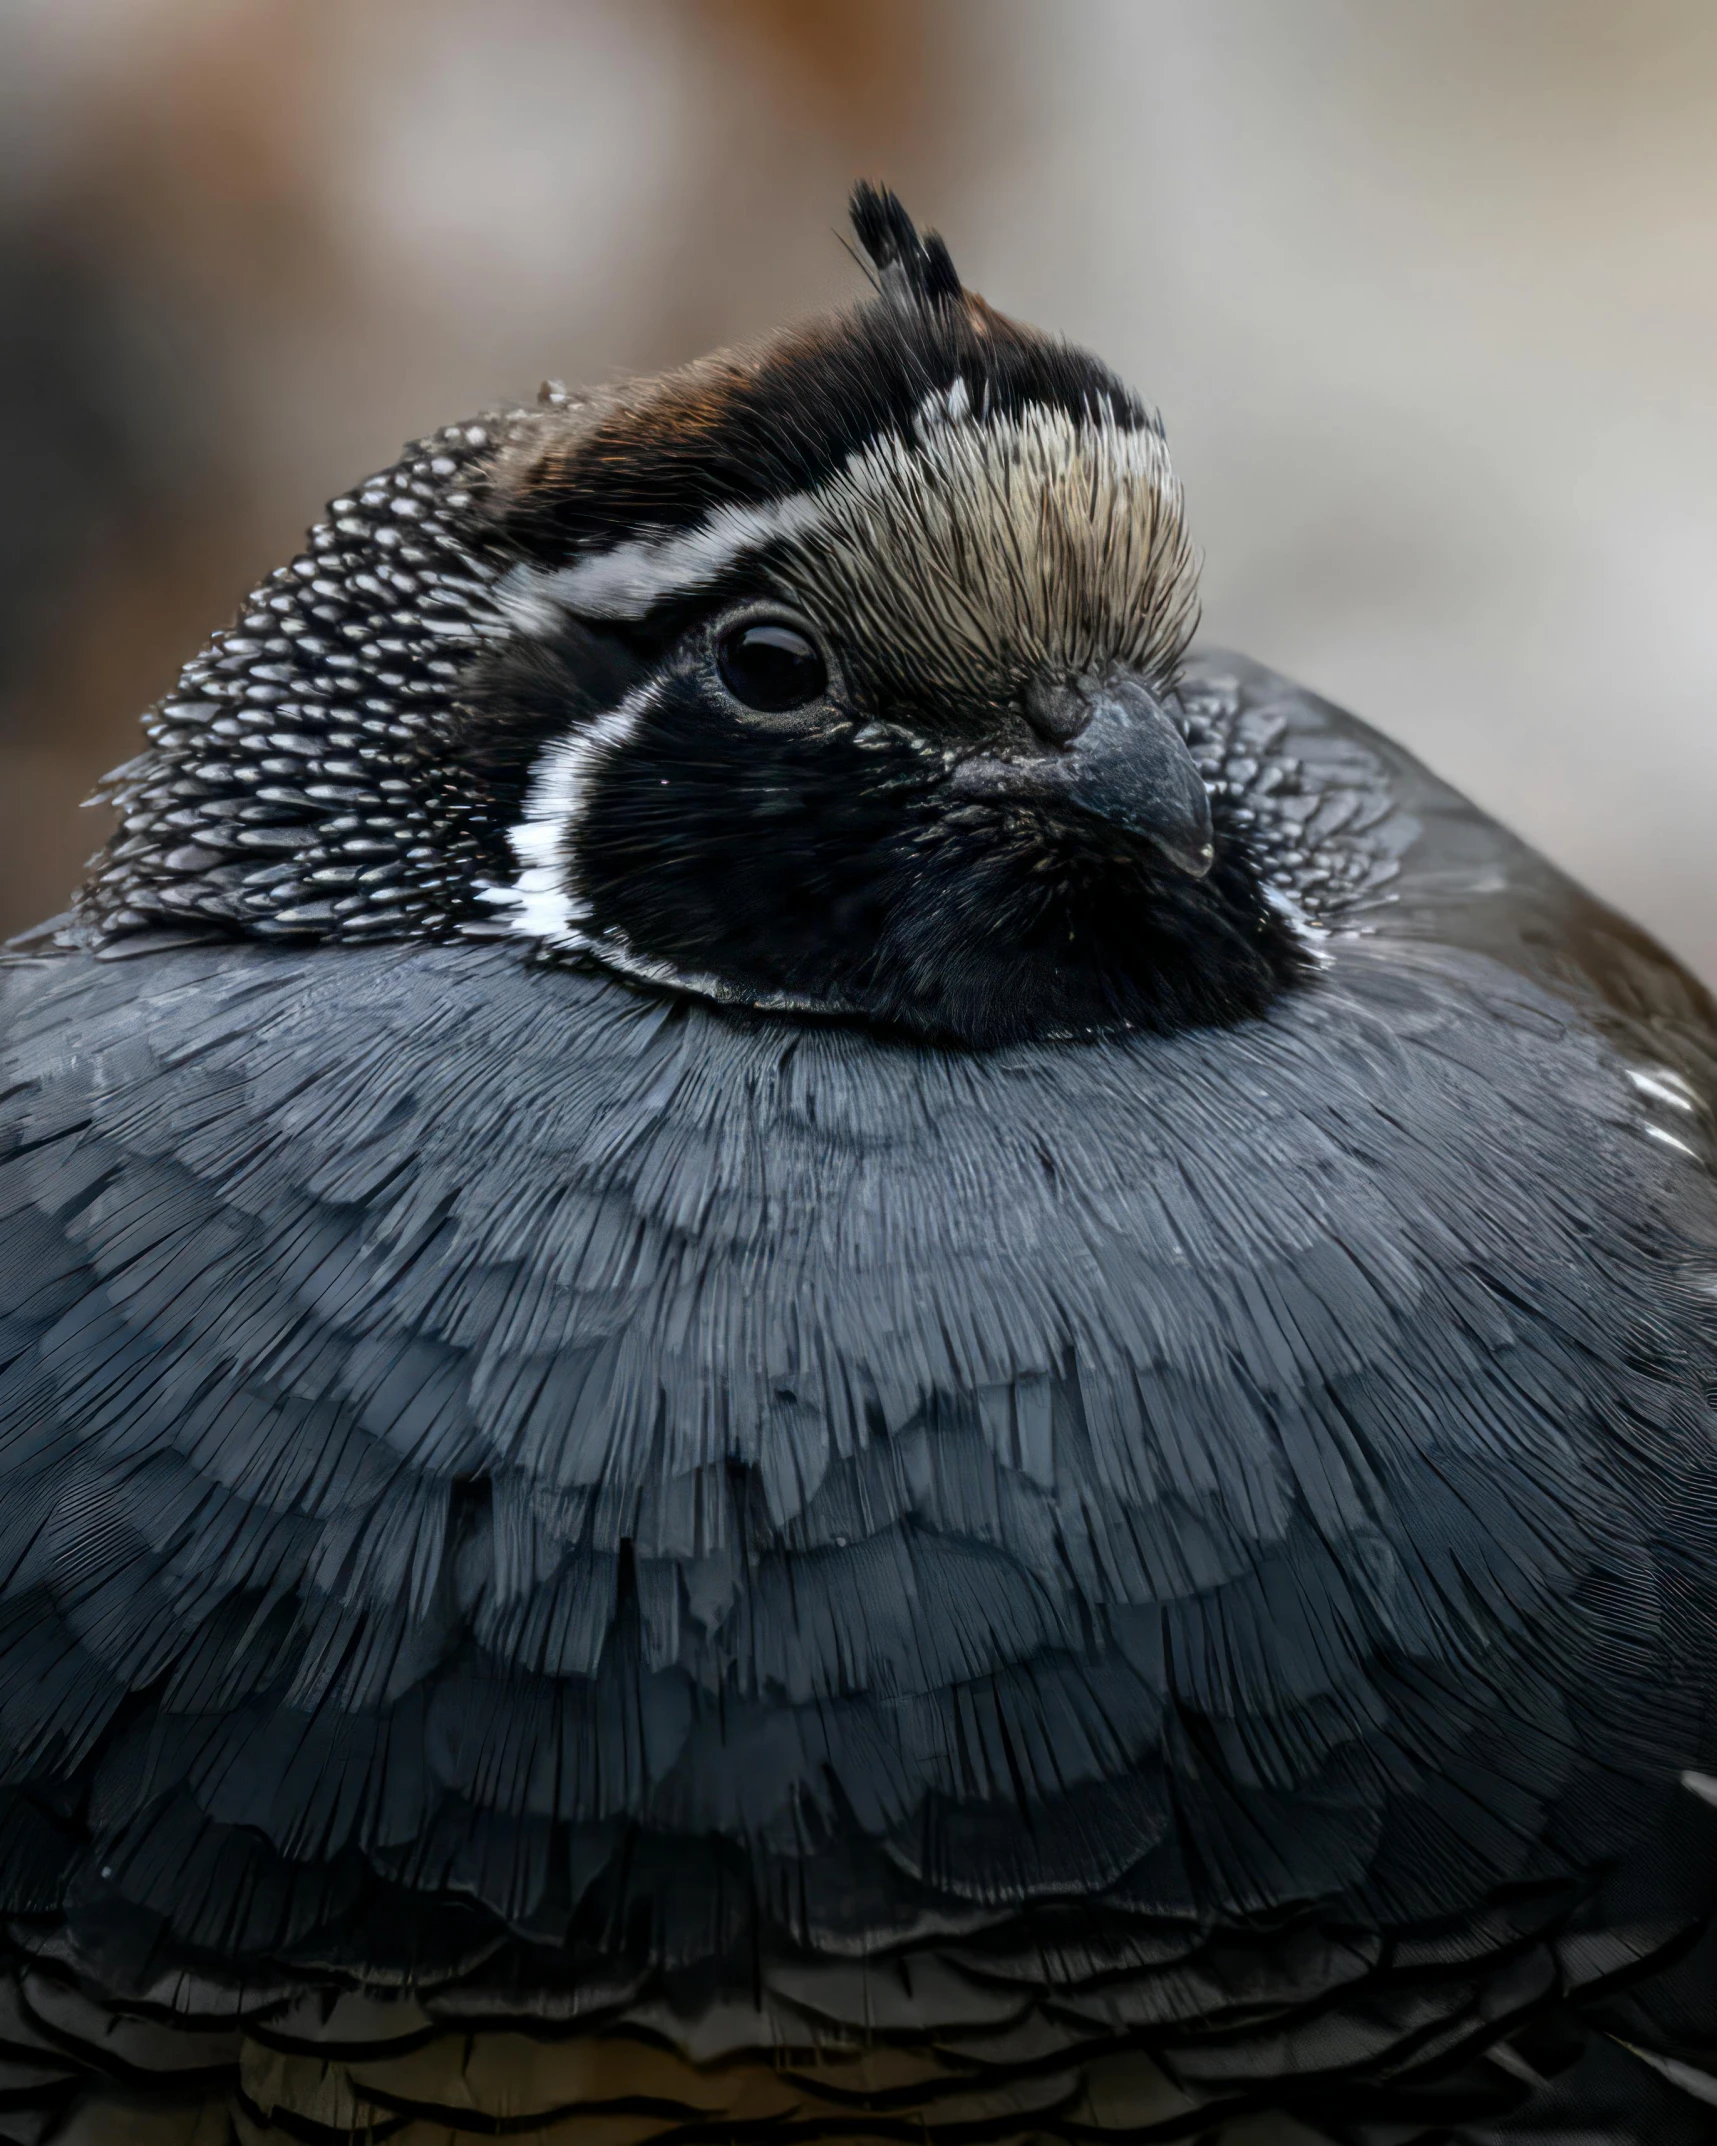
(544,906)
(635,577)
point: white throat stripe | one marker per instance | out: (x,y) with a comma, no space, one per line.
(544,905)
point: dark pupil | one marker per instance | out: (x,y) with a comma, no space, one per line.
(771,667)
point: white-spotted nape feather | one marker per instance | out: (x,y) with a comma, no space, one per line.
(1312,936)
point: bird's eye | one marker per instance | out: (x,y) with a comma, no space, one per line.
(771,666)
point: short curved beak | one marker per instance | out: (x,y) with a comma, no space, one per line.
(1123,760)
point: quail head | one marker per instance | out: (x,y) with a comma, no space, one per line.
(838,677)
(799,1343)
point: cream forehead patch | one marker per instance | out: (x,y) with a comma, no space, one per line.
(1044,541)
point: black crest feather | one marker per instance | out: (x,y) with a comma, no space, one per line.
(915,268)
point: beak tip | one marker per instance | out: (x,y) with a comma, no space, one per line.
(1128,765)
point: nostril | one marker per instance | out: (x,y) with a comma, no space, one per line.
(1057,711)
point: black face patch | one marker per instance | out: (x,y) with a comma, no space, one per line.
(831,864)
(757,855)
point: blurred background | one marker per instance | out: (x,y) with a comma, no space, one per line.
(1427,294)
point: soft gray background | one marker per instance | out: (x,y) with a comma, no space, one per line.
(1427,294)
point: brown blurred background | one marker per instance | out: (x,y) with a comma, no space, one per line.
(1427,293)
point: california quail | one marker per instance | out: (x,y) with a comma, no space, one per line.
(795,1345)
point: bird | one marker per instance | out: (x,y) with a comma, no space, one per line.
(802,1340)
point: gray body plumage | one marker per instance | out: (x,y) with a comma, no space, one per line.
(1067,1588)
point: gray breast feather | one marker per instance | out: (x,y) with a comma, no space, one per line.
(431,1332)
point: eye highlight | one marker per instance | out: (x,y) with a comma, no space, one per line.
(771,666)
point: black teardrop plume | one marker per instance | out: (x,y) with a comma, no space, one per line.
(918,270)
